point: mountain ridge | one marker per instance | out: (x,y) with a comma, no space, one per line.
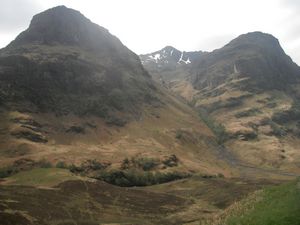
(254,42)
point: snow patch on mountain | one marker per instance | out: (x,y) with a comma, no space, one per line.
(156,57)
(181,60)
(169,56)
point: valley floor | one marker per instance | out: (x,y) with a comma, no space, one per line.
(57,197)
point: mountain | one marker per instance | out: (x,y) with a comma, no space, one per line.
(88,135)
(71,92)
(257,56)
(251,88)
(64,63)
(169,63)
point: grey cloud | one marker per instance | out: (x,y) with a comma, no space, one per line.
(296,55)
(215,41)
(16,14)
(292,23)
(291,3)
(293,33)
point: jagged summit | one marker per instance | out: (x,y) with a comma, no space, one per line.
(64,26)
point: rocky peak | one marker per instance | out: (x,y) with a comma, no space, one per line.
(64,63)
(256,41)
(254,55)
(255,38)
(64,26)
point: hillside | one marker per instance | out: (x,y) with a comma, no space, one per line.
(250,86)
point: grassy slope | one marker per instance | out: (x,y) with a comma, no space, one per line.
(279,205)
(153,134)
(45,177)
(266,150)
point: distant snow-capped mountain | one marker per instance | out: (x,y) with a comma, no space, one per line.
(169,61)
(171,55)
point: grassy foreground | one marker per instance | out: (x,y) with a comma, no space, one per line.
(278,205)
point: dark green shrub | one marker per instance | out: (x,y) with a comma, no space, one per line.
(88,166)
(208,176)
(43,163)
(145,163)
(93,165)
(170,176)
(233,102)
(61,165)
(249,112)
(277,130)
(218,129)
(178,134)
(171,161)
(125,164)
(229,103)
(76,130)
(75,169)
(134,177)
(289,115)
(220,175)
(265,121)
(271,105)
(8,171)
(23,165)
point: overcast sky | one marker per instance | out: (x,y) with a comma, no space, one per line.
(149,25)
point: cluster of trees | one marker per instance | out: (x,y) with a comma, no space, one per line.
(135,177)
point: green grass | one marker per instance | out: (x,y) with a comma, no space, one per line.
(42,177)
(278,205)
